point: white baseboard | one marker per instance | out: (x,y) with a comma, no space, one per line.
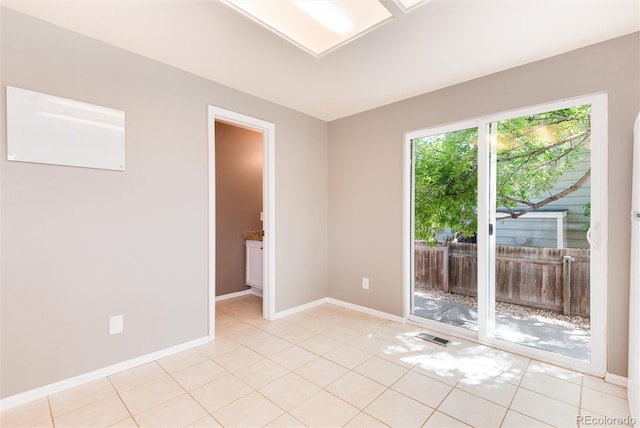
(300,308)
(336,302)
(233,295)
(616,379)
(43,391)
(367,310)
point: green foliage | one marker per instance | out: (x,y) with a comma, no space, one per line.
(533,152)
(587,213)
(446,184)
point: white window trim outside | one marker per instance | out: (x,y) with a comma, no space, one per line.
(559,216)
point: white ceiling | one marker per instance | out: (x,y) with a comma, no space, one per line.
(439,44)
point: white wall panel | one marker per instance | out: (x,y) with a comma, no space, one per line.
(43,128)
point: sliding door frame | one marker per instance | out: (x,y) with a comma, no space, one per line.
(409,224)
(487,144)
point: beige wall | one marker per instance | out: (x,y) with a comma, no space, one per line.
(238,201)
(366,170)
(79,245)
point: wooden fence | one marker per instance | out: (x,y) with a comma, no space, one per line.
(556,279)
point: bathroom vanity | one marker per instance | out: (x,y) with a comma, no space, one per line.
(254,266)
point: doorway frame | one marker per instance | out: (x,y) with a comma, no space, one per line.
(268,131)
(599,163)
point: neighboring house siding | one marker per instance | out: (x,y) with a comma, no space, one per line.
(542,232)
(525,232)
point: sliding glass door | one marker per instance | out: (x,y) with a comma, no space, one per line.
(503,221)
(541,201)
(444,213)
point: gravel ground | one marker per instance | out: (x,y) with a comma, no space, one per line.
(517,311)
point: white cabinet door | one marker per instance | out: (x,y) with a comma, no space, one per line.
(254,264)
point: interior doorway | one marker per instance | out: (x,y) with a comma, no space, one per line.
(265,214)
(239,230)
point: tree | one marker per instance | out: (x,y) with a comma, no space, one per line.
(446,184)
(533,152)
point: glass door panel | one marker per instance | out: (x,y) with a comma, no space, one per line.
(541,197)
(444,284)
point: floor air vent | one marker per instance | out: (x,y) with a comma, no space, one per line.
(432,338)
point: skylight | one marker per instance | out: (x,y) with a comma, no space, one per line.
(317,26)
(407,5)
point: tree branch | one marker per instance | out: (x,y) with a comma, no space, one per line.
(534,206)
(549,147)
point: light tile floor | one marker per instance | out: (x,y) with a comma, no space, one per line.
(328,366)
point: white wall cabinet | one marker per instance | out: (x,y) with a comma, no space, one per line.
(254,266)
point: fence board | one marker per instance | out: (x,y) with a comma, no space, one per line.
(431,267)
(526,276)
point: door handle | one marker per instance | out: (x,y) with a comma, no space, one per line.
(593,236)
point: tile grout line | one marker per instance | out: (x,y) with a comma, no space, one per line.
(256,390)
(326,317)
(543,394)
(271,401)
(291,372)
(48,398)
(519,386)
(531,360)
(509,409)
(53,422)
(322,388)
(189,393)
(122,401)
(437,409)
(351,404)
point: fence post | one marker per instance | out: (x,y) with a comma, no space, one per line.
(566,285)
(445,268)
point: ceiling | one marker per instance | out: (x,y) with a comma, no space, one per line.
(438,44)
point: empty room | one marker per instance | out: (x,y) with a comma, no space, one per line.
(320,213)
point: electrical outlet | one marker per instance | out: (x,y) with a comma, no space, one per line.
(116,324)
(365,283)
